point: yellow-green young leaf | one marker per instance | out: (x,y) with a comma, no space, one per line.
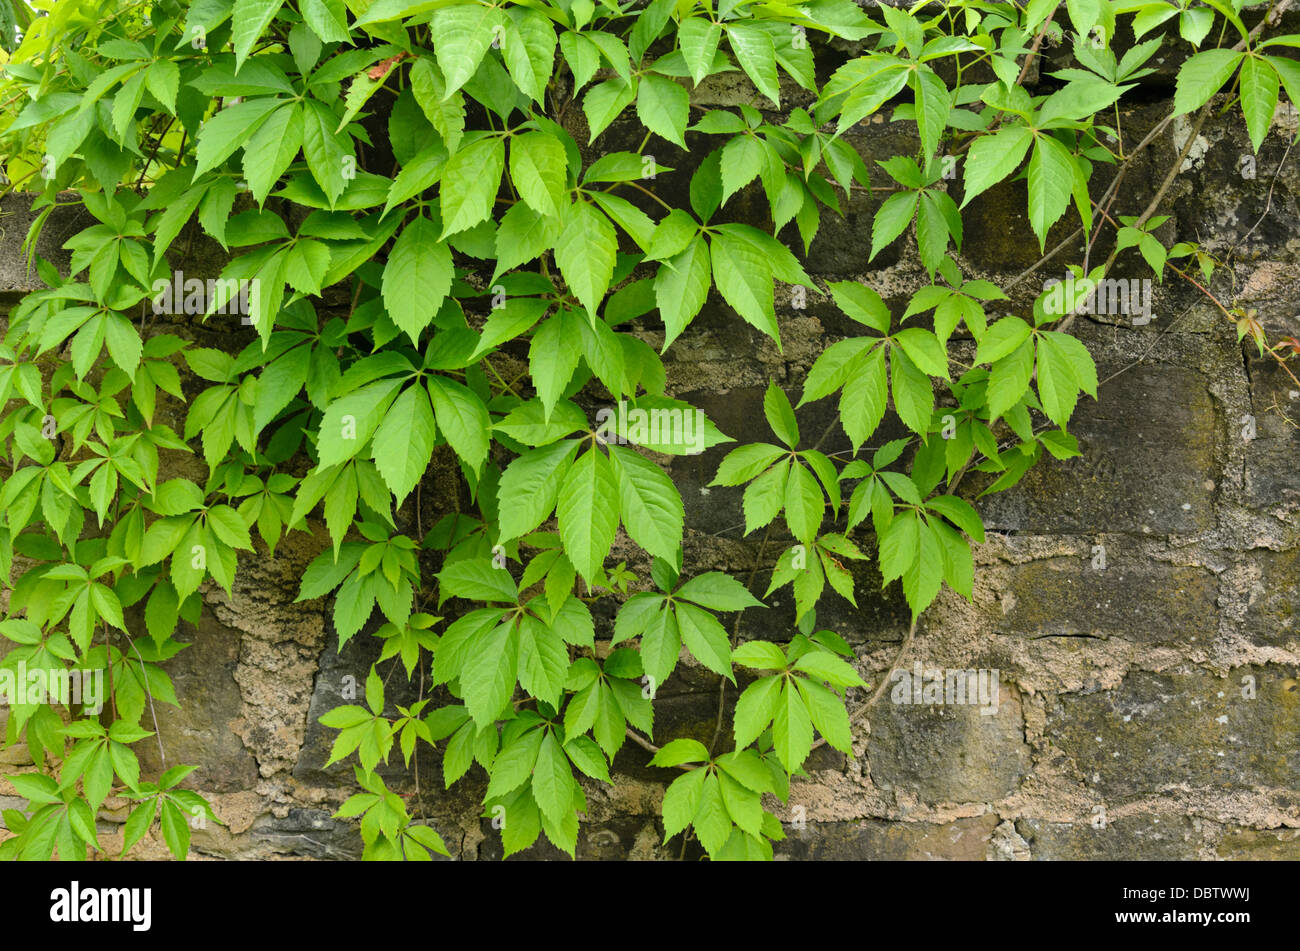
(417,277)
(461,36)
(469,184)
(588,512)
(992,158)
(403,442)
(1259,90)
(539,170)
(586,251)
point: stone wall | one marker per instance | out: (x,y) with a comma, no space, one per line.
(1148,709)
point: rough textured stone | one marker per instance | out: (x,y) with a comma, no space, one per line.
(948,753)
(1189,728)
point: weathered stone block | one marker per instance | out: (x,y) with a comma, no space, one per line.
(1162,731)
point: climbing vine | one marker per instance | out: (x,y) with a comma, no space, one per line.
(443,242)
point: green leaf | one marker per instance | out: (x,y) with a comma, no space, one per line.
(756,54)
(249,20)
(682,801)
(780,416)
(681,288)
(528,48)
(651,507)
(1259,92)
(488,678)
(718,592)
(417,277)
(890,220)
(588,512)
(462,35)
(862,303)
(539,170)
(742,160)
(663,107)
(744,279)
(827,713)
(698,39)
(757,706)
(1201,76)
(469,184)
(553,783)
(463,419)
(913,394)
(992,158)
(805,506)
(325,149)
(530,487)
(792,730)
(705,638)
(865,396)
(271,149)
(677,752)
(1051,180)
(585,252)
(1009,379)
(403,442)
